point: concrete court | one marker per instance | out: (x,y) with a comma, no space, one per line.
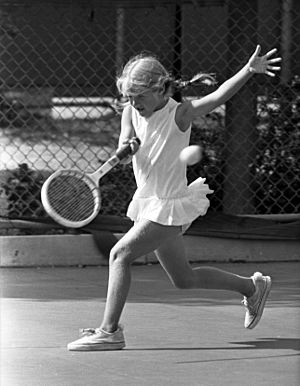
(173,337)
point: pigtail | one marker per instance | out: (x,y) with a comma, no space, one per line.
(197,80)
(145,72)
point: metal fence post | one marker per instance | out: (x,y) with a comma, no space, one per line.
(240,111)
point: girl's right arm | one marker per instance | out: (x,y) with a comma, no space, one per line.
(127,130)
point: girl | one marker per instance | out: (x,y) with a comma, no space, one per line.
(163,205)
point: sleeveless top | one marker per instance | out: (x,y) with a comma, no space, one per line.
(162,194)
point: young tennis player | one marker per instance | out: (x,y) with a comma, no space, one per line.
(163,205)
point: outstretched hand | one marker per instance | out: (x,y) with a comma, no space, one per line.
(262,64)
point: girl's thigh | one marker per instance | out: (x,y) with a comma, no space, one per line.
(172,257)
(144,237)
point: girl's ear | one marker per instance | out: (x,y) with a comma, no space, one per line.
(167,88)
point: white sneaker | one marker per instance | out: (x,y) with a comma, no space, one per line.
(256,303)
(98,340)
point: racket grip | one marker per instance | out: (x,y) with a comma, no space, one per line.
(129,149)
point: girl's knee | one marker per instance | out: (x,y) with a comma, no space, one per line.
(120,255)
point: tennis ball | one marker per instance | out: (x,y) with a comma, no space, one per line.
(191,155)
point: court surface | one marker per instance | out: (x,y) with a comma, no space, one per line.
(174,337)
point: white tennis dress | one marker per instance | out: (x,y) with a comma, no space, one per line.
(162,194)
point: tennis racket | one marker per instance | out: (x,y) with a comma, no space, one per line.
(72,198)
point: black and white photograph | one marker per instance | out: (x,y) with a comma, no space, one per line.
(149,192)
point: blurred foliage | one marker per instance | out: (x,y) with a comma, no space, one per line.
(276,168)
(210,134)
(22,188)
(117,188)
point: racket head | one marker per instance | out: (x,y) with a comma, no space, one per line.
(71,198)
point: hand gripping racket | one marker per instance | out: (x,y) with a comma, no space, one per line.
(72,198)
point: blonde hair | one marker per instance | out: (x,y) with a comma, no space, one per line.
(142,73)
(145,72)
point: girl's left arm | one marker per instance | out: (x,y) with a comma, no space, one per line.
(256,64)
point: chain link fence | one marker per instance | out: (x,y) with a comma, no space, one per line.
(58,64)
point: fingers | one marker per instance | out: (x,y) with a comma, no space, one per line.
(134,145)
(274,68)
(275,60)
(256,53)
(257,50)
(270,53)
(269,73)
(269,70)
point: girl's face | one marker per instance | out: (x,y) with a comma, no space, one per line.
(149,102)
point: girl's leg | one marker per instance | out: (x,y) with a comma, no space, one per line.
(142,238)
(172,257)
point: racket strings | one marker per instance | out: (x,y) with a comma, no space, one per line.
(71,198)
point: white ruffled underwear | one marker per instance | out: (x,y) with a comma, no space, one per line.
(172,211)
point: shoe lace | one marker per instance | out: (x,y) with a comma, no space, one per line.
(87,331)
(91,331)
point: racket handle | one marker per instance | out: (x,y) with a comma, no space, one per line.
(129,149)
